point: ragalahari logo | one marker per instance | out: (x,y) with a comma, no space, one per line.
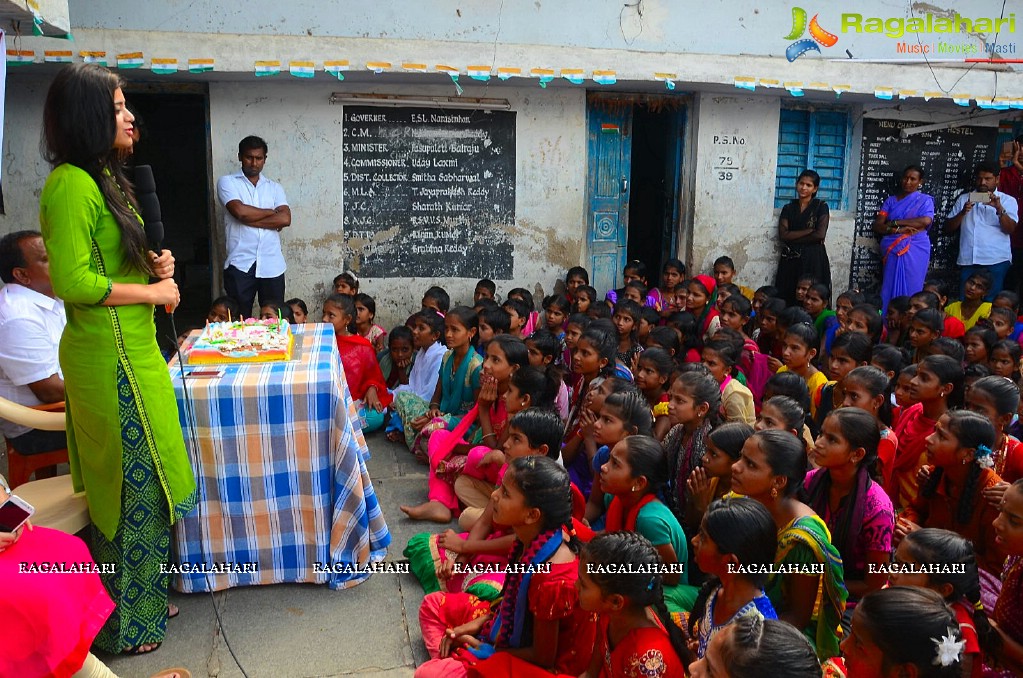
(803,45)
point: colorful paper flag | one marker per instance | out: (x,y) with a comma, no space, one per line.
(267,68)
(481,73)
(163,66)
(130,60)
(200,65)
(605,77)
(94,57)
(820,86)
(885,93)
(336,68)
(415,68)
(302,69)
(378,67)
(795,88)
(545,75)
(609,128)
(576,76)
(770,82)
(668,79)
(933,95)
(839,89)
(907,93)
(746,82)
(58,56)
(20,57)
(962,99)
(505,72)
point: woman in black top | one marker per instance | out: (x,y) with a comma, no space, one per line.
(802,228)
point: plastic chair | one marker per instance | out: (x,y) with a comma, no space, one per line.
(20,467)
(57,505)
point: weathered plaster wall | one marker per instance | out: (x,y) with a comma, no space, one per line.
(24,170)
(304,134)
(687,26)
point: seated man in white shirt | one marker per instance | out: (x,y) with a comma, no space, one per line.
(31,322)
(984,228)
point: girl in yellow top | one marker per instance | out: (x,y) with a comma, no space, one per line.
(799,350)
(973,307)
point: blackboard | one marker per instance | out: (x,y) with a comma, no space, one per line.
(946,156)
(429,192)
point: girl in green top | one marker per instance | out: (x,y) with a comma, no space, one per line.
(124,439)
(806,587)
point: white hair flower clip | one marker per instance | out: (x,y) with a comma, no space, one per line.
(949,649)
(984,457)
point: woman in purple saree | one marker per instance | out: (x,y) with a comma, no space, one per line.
(905,246)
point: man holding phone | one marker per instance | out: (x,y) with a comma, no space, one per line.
(985,219)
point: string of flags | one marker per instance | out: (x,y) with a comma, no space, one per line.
(482,73)
(885,93)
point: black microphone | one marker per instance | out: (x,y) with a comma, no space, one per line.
(152,220)
(149,205)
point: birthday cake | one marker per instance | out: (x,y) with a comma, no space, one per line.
(245,341)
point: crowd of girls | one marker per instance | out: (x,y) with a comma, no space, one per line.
(695,477)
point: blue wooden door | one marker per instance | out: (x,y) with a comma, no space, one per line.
(610,159)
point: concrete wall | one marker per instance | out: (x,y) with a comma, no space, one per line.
(676,26)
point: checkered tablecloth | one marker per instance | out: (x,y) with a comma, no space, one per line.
(279,458)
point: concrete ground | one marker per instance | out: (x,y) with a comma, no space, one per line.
(303,630)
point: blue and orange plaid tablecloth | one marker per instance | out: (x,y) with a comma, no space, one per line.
(279,459)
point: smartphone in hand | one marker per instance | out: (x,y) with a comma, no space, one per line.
(14,512)
(980,197)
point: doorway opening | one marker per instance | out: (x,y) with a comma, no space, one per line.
(653,200)
(634,188)
(173,122)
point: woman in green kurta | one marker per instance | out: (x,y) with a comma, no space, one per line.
(124,439)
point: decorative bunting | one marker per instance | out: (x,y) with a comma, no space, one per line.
(20,57)
(576,76)
(378,67)
(163,66)
(770,82)
(336,68)
(453,73)
(933,95)
(746,82)
(302,69)
(885,93)
(505,72)
(481,73)
(266,69)
(58,56)
(668,79)
(545,75)
(94,57)
(130,60)
(821,86)
(795,88)
(605,77)
(839,89)
(998,104)
(414,68)
(200,65)
(907,93)
(962,99)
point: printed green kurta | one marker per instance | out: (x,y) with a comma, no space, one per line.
(84,245)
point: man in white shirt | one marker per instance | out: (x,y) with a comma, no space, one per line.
(984,229)
(31,322)
(256,210)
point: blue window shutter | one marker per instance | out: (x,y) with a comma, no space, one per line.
(815,140)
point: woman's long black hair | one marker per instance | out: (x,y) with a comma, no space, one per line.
(79,128)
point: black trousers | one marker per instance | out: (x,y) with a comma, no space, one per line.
(37,442)
(242,286)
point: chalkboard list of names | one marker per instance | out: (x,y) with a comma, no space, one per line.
(947,157)
(429,192)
